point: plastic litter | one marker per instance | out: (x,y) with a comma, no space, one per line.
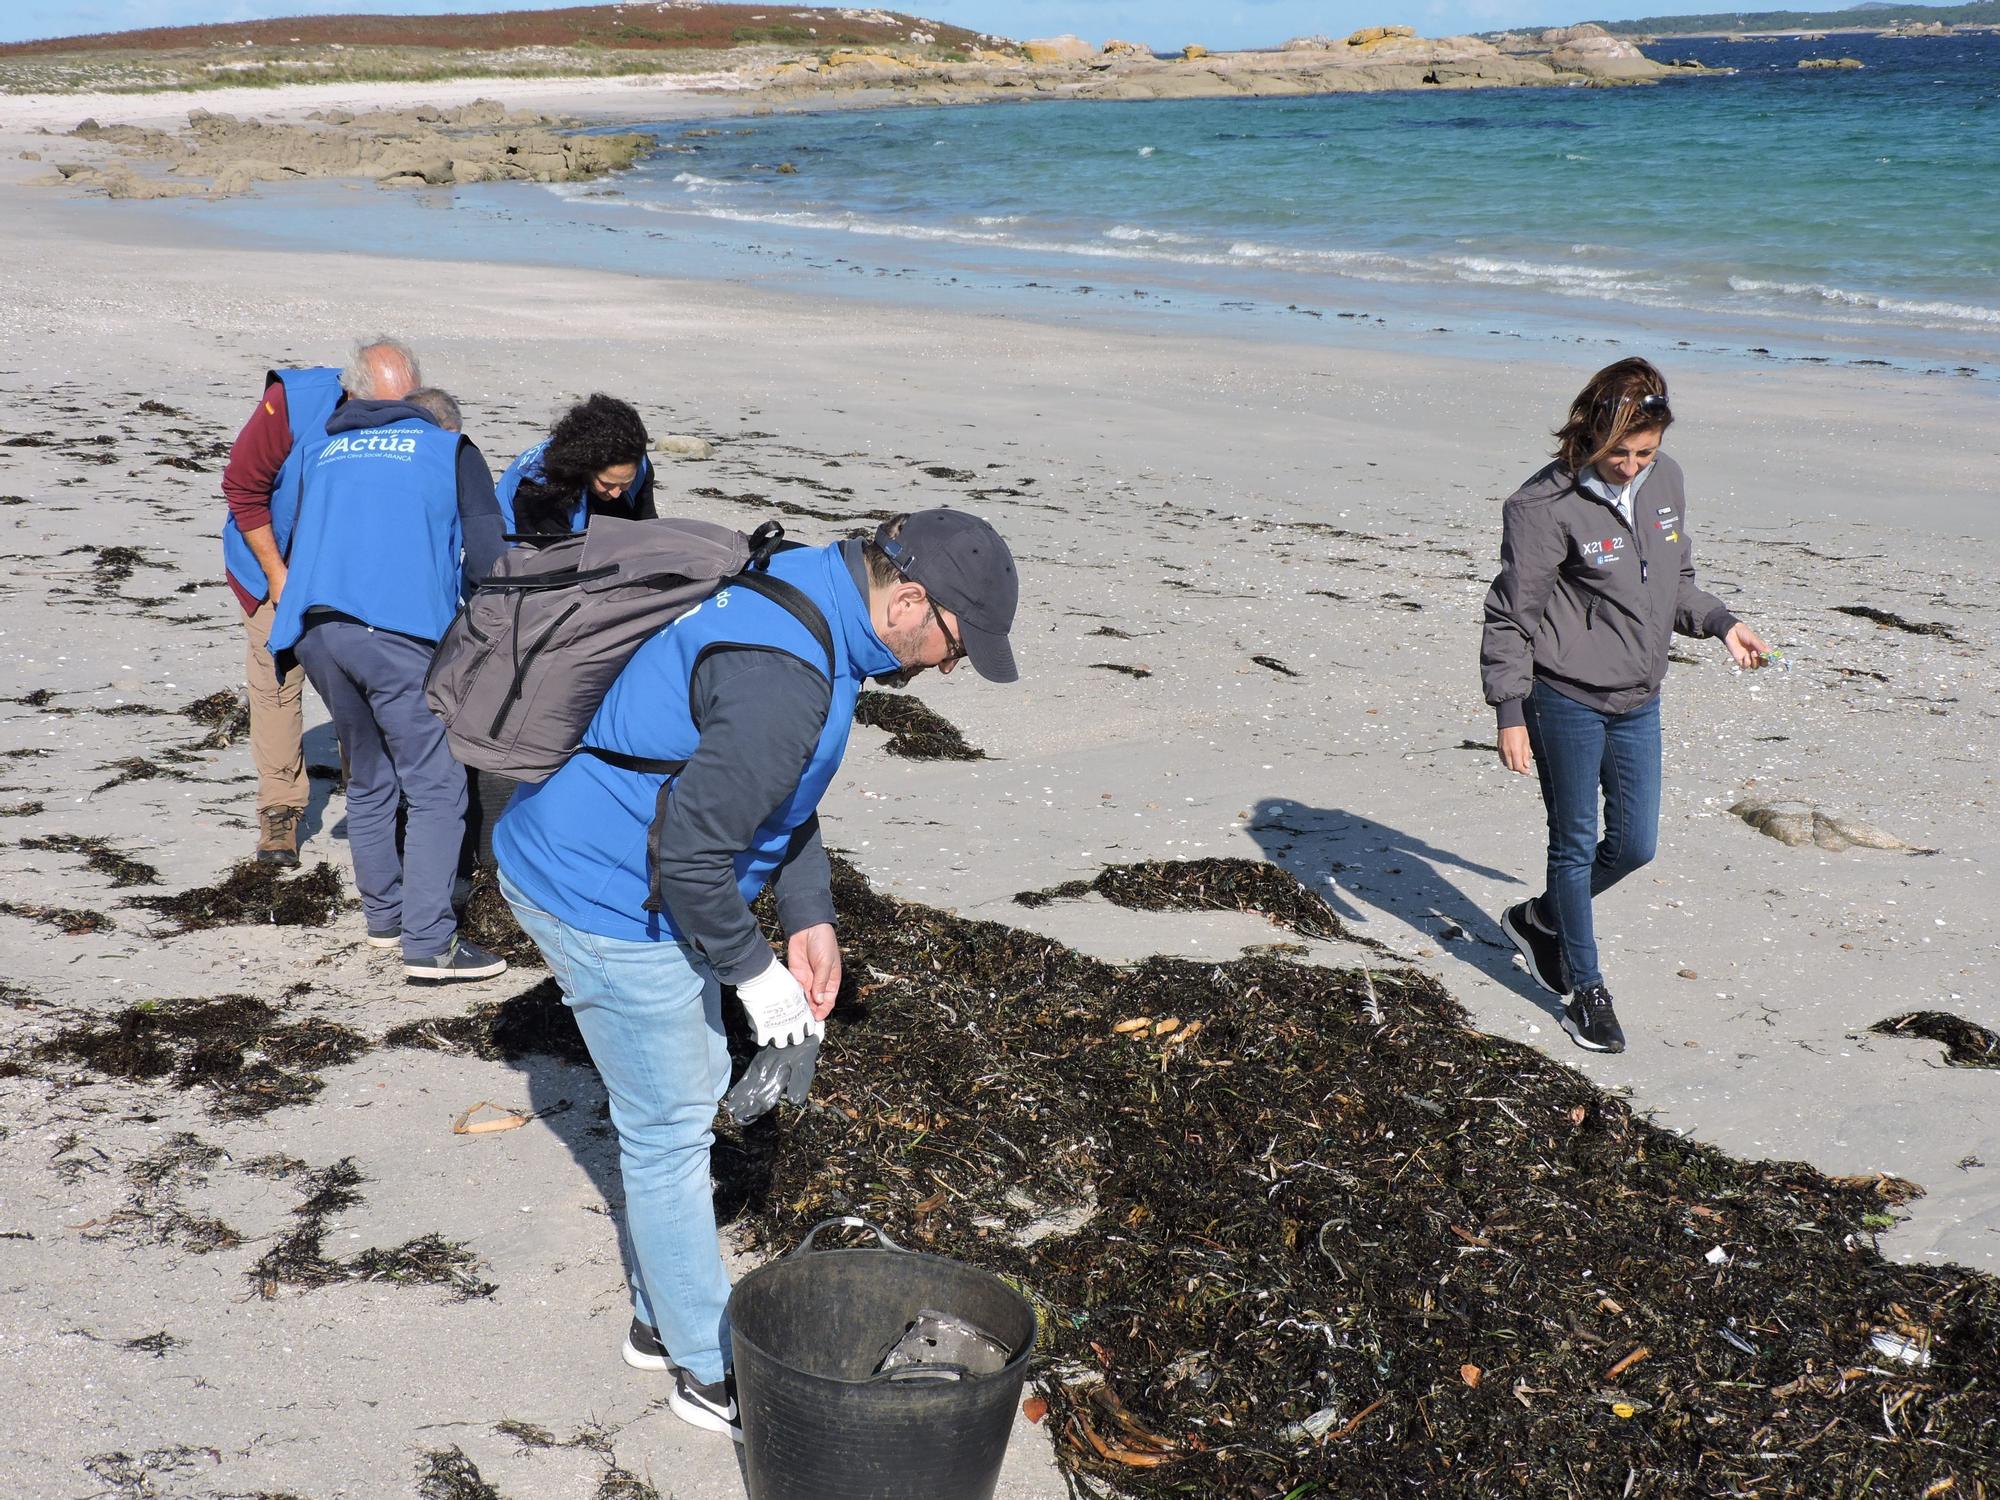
(937,1346)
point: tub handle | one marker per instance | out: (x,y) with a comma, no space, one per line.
(845,1221)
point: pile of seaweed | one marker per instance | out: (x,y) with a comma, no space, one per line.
(1967,1044)
(534,1023)
(489,921)
(225,715)
(1208,885)
(243,1052)
(917,732)
(1295,1230)
(253,893)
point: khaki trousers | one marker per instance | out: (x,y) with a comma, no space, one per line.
(277,720)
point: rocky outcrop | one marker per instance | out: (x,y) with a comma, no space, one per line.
(1058,49)
(1116,49)
(1193,52)
(425,147)
(1375,36)
(1594,51)
(1836,64)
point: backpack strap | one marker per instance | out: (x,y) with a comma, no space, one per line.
(795,602)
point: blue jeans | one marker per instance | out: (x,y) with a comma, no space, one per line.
(1579,750)
(651,1014)
(372,682)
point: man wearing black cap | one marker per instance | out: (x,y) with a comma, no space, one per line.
(637,886)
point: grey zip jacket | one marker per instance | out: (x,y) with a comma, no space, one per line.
(1586,602)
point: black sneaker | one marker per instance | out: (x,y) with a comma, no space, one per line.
(1590,1019)
(643,1349)
(712,1407)
(1539,946)
(461,960)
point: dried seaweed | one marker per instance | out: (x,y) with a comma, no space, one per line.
(71,921)
(226,716)
(1271,663)
(447,1474)
(1890,620)
(131,768)
(1208,885)
(252,894)
(1113,632)
(1967,1045)
(623,1484)
(244,1053)
(534,1023)
(1335,1241)
(159,1345)
(1120,667)
(99,856)
(299,1258)
(489,921)
(916,731)
(154,1212)
(21,810)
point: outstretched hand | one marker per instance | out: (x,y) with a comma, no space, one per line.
(1747,647)
(813,956)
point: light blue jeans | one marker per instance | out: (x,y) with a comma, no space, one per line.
(651,1014)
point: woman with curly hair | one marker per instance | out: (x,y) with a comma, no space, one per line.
(1596,578)
(592,463)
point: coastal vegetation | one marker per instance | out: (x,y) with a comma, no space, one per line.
(1867,16)
(592,41)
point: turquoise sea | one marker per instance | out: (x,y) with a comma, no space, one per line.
(1841,215)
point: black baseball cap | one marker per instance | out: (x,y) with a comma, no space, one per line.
(964,566)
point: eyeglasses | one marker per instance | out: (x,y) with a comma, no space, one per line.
(955,648)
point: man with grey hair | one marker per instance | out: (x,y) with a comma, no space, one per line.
(261,485)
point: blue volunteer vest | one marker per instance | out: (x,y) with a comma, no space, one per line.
(310,397)
(576,845)
(378,535)
(529,466)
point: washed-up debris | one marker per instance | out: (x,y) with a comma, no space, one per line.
(169,767)
(299,1259)
(20,810)
(1796,824)
(246,1054)
(1272,663)
(1967,1045)
(71,921)
(253,894)
(447,1474)
(1122,668)
(1889,620)
(1292,1264)
(917,731)
(488,1124)
(99,856)
(534,1023)
(1207,885)
(1113,632)
(226,716)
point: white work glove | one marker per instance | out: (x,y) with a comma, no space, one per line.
(777,1008)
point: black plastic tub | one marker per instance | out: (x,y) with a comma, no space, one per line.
(819,1422)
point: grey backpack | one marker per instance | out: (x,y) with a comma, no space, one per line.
(520,673)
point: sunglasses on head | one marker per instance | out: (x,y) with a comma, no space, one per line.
(1649,406)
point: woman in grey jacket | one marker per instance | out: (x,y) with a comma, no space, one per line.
(1596,577)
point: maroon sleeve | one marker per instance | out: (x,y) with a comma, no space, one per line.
(260,450)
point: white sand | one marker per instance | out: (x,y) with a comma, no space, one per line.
(1169,474)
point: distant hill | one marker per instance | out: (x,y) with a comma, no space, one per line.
(1870,13)
(630,28)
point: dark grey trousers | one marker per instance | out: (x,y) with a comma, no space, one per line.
(372,682)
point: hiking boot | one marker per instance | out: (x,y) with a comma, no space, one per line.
(643,1349)
(278,835)
(391,937)
(1539,946)
(462,960)
(1590,1019)
(712,1407)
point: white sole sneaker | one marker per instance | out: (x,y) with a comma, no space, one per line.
(687,1401)
(385,940)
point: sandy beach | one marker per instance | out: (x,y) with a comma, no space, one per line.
(1181,503)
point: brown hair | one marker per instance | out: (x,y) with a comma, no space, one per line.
(1626,397)
(882,570)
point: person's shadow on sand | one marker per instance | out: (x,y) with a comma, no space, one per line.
(1349,858)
